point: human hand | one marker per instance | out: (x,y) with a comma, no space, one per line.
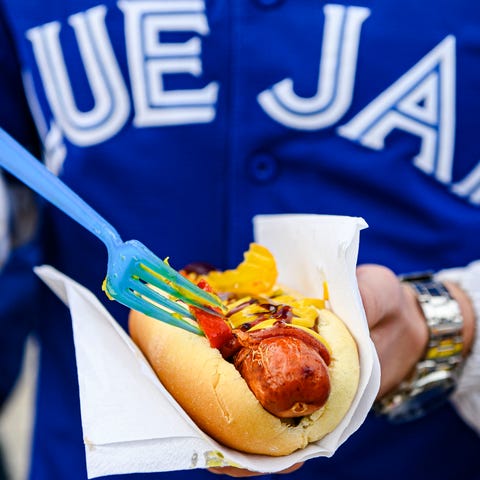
(397,324)
(242,472)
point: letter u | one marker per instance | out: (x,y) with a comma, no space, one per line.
(111,103)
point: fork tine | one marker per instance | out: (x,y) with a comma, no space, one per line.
(176,285)
(156,296)
(137,302)
(144,260)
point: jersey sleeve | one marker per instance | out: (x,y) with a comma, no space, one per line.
(17,280)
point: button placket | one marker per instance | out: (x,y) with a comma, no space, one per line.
(268,3)
(262,167)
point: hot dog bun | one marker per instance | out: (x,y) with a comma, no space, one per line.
(217,398)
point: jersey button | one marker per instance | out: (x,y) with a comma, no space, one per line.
(268,3)
(262,167)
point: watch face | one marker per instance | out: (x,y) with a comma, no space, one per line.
(422,402)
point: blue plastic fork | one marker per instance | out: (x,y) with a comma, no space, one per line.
(136,277)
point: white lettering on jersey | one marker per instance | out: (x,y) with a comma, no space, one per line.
(469,187)
(111,103)
(421,102)
(150,60)
(54,149)
(336,75)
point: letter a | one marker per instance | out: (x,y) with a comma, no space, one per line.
(421,102)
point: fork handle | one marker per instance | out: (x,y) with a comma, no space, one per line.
(23,165)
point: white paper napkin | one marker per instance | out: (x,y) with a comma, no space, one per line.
(132,424)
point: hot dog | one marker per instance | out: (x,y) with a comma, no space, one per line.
(278,373)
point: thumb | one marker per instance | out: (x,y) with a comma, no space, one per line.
(380,291)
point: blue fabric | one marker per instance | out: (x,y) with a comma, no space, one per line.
(189,187)
(18,306)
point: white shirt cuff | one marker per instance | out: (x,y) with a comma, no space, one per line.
(466,398)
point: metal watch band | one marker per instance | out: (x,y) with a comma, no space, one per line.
(444,320)
(435,375)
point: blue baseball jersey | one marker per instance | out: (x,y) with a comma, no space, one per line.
(180,120)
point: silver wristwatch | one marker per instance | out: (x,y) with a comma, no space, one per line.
(435,376)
